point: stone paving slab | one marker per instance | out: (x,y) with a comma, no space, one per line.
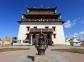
(56,58)
(53,58)
(41,58)
(24,59)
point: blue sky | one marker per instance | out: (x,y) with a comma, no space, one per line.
(72,12)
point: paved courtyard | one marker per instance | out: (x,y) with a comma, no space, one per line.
(53,56)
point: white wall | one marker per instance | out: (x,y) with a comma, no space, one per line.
(60,39)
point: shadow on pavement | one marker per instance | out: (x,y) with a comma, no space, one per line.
(31,57)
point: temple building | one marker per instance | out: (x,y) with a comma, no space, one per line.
(6,41)
(41,20)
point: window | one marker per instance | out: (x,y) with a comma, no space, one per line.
(53,28)
(14,41)
(54,35)
(48,36)
(27,36)
(28,28)
(46,27)
(35,27)
(34,36)
(25,41)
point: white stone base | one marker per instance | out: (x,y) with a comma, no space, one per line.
(21,44)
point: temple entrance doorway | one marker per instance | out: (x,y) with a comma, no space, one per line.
(47,33)
(47,36)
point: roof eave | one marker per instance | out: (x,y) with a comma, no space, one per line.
(48,8)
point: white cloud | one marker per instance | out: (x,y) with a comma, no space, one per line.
(79,35)
(82,22)
(82,32)
(75,21)
(82,35)
(67,24)
(78,21)
(70,24)
(75,34)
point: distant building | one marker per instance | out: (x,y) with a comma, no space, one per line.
(75,41)
(6,41)
(1,42)
(67,41)
(82,43)
(41,20)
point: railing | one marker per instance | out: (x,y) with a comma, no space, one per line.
(41,20)
(41,30)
